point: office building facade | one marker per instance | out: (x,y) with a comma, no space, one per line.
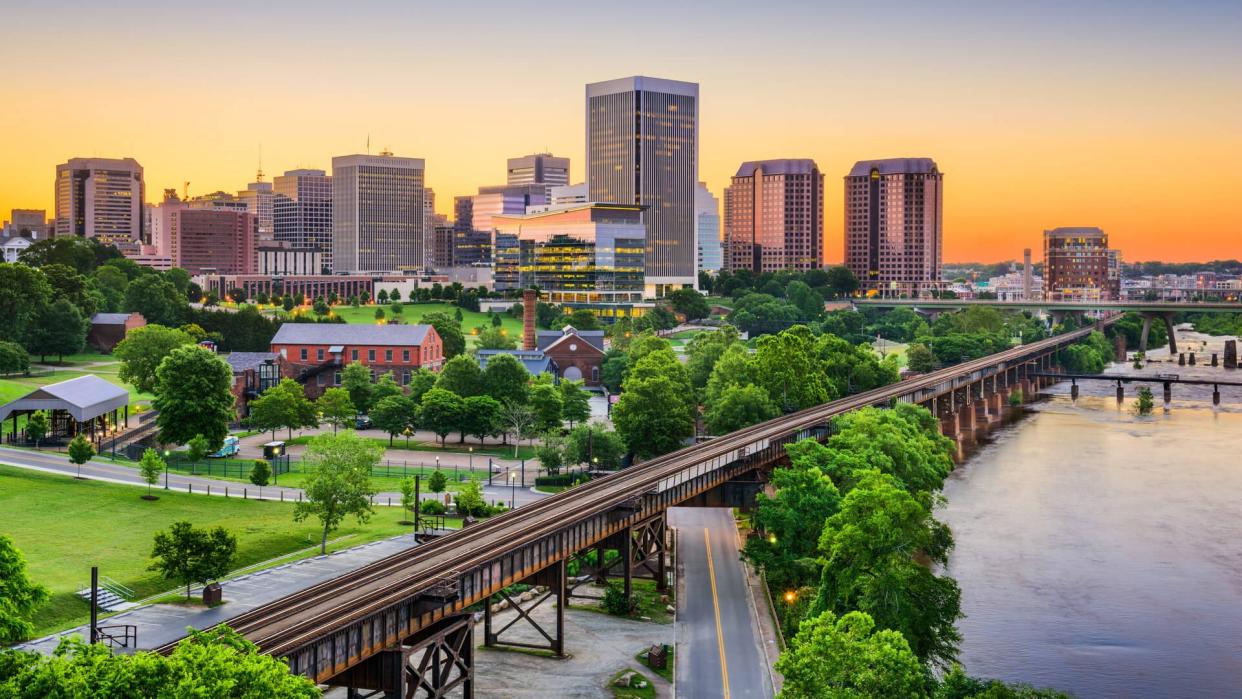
(774,216)
(642,149)
(100,198)
(302,212)
(207,241)
(378,214)
(1079,266)
(539,168)
(707,221)
(894,211)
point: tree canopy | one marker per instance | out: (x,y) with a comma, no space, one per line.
(143,349)
(20,597)
(193,392)
(338,481)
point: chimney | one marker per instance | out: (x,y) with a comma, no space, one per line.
(530,298)
(1026,275)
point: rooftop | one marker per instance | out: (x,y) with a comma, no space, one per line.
(786,166)
(546,338)
(348,334)
(84,397)
(109,318)
(535,361)
(241,361)
(894,166)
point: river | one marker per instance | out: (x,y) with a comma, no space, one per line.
(1101,553)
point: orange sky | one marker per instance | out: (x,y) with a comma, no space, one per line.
(1127,116)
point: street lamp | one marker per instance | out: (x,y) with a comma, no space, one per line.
(166,453)
(471,450)
(512,488)
(790,596)
(772,539)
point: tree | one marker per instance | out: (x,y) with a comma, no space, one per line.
(919,358)
(437,482)
(612,371)
(545,403)
(495,338)
(449,330)
(356,379)
(197,448)
(506,379)
(382,296)
(24,292)
(20,597)
(189,555)
(338,481)
(461,375)
(551,452)
(150,467)
(470,500)
(848,658)
(1146,401)
(841,281)
(421,381)
(575,402)
(287,304)
(787,366)
(143,349)
(496,321)
(194,394)
(157,300)
(738,407)
(13,358)
(379,314)
(958,685)
(791,520)
(517,419)
(810,303)
(651,416)
(386,386)
(271,411)
(594,445)
(481,417)
(59,330)
(321,308)
(80,451)
(260,474)
(336,407)
(904,442)
(393,414)
(37,426)
(408,499)
(690,304)
(441,412)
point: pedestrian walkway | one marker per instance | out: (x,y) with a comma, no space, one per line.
(159,624)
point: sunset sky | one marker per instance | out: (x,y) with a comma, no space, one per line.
(1123,115)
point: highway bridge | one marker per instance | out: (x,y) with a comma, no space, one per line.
(402,627)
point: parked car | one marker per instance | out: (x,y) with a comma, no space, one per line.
(230,448)
(362,422)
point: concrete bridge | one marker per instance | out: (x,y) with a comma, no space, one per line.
(404,626)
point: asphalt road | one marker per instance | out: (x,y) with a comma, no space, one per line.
(719,652)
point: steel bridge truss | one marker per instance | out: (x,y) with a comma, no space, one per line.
(435,663)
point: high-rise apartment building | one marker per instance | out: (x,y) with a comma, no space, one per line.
(894,224)
(707,220)
(642,148)
(213,241)
(1078,265)
(774,216)
(377,213)
(100,198)
(302,211)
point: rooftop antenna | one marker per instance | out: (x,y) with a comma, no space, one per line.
(259,176)
(368,144)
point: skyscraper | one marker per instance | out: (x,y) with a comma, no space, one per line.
(205,241)
(894,224)
(1078,265)
(377,213)
(707,218)
(302,211)
(258,197)
(539,168)
(774,216)
(642,148)
(100,198)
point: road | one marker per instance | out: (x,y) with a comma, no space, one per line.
(101,470)
(719,646)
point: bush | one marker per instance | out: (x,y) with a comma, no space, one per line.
(562,479)
(614,601)
(431,507)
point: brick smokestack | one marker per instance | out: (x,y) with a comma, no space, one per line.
(530,298)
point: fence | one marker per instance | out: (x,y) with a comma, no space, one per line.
(389,468)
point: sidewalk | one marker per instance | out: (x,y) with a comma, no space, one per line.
(159,624)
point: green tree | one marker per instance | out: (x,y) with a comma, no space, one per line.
(421,381)
(80,451)
(506,379)
(481,417)
(583,319)
(157,300)
(1146,402)
(384,387)
(690,304)
(260,474)
(20,597)
(437,482)
(545,403)
(904,442)
(470,500)
(287,304)
(613,369)
(193,392)
(441,412)
(336,407)
(595,445)
(197,448)
(496,338)
(810,303)
(408,500)
(393,414)
(13,358)
(37,427)
(60,329)
(24,292)
(551,453)
(848,658)
(143,349)
(704,350)
(787,366)
(338,481)
(791,520)
(738,407)
(919,358)
(379,314)
(356,379)
(461,375)
(150,467)
(575,402)
(958,685)
(651,416)
(841,281)
(189,555)
(449,330)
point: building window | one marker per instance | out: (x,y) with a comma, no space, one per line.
(405,356)
(354,355)
(388,356)
(405,378)
(284,352)
(303,354)
(319,354)
(319,379)
(336,378)
(370,355)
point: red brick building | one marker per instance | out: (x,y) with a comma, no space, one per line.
(317,352)
(108,329)
(254,373)
(578,354)
(214,241)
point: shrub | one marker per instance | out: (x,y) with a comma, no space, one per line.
(431,507)
(564,479)
(614,601)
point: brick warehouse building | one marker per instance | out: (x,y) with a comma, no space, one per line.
(317,353)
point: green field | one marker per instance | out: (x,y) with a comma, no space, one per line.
(412,313)
(64,526)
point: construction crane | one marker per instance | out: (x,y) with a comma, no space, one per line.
(185,191)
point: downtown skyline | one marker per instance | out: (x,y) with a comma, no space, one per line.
(1039,117)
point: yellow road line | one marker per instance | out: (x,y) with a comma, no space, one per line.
(711,572)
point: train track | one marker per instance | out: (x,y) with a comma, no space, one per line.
(283,626)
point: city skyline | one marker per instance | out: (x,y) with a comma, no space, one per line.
(1087,117)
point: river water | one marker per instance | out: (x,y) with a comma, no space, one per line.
(1101,553)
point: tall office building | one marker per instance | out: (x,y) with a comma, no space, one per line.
(1078,265)
(774,216)
(707,220)
(470,246)
(642,148)
(539,168)
(259,199)
(429,227)
(100,198)
(894,227)
(302,211)
(377,213)
(213,241)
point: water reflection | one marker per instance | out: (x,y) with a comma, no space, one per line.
(1101,553)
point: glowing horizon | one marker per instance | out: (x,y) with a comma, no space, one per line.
(1122,116)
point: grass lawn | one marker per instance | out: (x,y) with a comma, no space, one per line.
(646,691)
(666,672)
(63,526)
(523,452)
(413,312)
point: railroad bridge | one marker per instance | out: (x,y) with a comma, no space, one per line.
(404,626)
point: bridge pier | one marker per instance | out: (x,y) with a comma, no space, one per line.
(553,579)
(432,664)
(1168,326)
(1231,354)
